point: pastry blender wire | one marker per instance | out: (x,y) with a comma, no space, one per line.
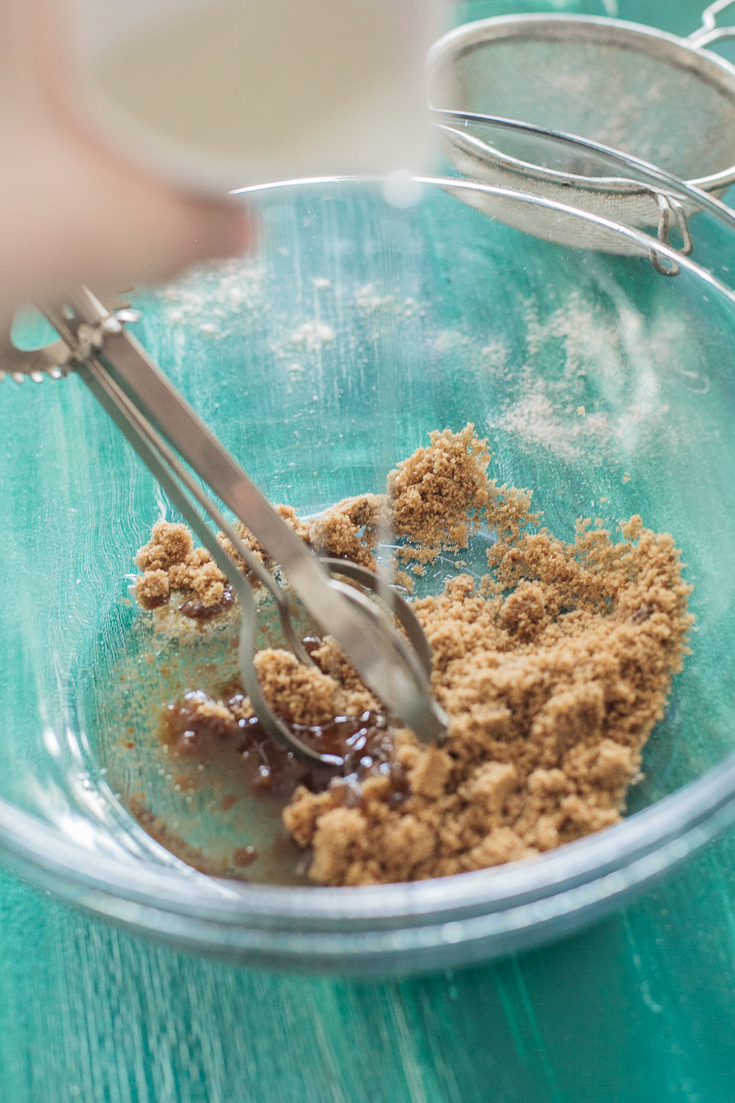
(164,430)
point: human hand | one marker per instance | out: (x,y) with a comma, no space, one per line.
(71,211)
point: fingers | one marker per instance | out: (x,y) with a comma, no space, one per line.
(71,211)
(207,229)
(74,213)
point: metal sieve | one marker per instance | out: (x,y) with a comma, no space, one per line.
(662,99)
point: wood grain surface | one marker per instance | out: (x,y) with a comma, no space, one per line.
(639,1009)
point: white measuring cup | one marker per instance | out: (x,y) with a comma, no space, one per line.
(215,94)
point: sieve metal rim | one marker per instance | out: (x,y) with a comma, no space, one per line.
(603,184)
(680,52)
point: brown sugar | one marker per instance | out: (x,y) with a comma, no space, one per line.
(351,529)
(312,696)
(171,566)
(553,671)
(169,562)
(441,494)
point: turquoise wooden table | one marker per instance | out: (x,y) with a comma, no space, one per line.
(639,1009)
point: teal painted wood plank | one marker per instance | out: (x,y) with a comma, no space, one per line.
(639,1009)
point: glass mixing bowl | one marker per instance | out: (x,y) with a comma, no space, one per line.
(329,353)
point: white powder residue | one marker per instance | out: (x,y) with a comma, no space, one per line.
(495,354)
(538,422)
(627,357)
(320,283)
(208,296)
(313,335)
(368,300)
(585,332)
(447,339)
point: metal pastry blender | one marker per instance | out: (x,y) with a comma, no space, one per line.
(164,430)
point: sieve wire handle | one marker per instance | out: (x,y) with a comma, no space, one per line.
(709,31)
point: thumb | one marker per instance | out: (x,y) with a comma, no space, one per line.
(73,212)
